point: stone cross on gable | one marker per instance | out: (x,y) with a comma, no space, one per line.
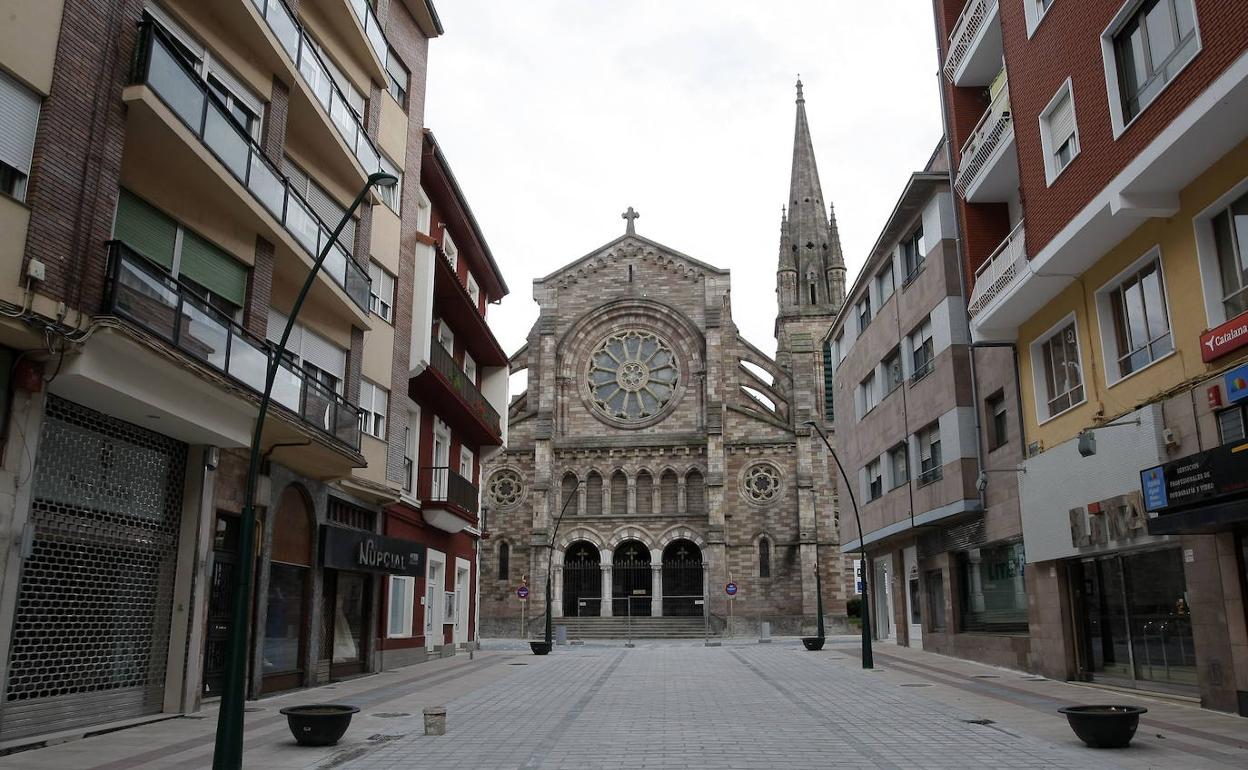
(630,215)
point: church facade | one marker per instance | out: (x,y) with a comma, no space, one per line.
(656,455)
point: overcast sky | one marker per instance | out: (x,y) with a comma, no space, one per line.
(556,115)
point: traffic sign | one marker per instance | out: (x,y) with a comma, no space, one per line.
(522,592)
(731,589)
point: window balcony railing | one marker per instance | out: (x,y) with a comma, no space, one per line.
(298,45)
(969,23)
(140,292)
(994,129)
(372,27)
(443,485)
(999,271)
(922,370)
(445,365)
(171,78)
(928,476)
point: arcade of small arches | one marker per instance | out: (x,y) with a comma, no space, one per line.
(637,493)
(629,573)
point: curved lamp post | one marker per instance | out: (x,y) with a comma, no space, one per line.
(867,659)
(228,751)
(547,645)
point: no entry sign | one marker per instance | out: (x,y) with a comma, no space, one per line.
(731,589)
(522,592)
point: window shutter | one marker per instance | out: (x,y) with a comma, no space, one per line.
(213,269)
(277,322)
(324,354)
(19,116)
(330,212)
(1061,121)
(145,230)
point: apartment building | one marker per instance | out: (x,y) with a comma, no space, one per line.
(169,171)
(909,395)
(1101,192)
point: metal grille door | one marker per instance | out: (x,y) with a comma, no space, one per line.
(91,630)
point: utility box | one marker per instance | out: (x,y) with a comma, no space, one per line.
(561,634)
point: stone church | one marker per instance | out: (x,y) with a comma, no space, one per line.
(664,454)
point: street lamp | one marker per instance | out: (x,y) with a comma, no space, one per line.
(867,659)
(227,754)
(541,648)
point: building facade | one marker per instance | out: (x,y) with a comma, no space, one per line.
(1109,166)
(170,171)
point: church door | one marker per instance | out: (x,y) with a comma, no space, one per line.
(582,581)
(682,579)
(631,580)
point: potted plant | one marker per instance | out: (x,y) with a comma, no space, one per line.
(540,647)
(813,643)
(1104,727)
(319,724)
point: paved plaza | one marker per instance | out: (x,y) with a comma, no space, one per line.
(671,704)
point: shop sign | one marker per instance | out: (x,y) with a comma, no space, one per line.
(1218,473)
(1117,518)
(1221,340)
(1237,383)
(352,549)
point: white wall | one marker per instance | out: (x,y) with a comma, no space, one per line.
(422,308)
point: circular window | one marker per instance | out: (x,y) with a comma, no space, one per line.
(505,487)
(761,483)
(632,375)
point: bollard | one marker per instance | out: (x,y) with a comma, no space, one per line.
(435,720)
(764,632)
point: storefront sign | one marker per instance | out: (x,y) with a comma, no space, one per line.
(352,549)
(1219,341)
(1114,519)
(1237,383)
(1218,473)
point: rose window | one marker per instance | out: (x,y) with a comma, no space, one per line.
(632,375)
(761,483)
(505,487)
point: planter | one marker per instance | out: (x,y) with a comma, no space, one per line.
(813,643)
(540,648)
(1104,727)
(319,724)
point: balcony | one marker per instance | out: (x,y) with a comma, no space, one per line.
(988,169)
(452,302)
(167,75)
(1006,265)
(144,295)
(449,501)
(975,50)
(457,400)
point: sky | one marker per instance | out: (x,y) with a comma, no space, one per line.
(557,115)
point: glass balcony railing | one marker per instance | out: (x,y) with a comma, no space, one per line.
(329,95)
(145,295)
(172,79)
(372,27)
(443,485)
(445,365)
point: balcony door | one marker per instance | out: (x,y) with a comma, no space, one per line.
(441,463)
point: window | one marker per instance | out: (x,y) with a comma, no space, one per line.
(374,406)
(868,395)
(1060,368)
(399,77)
(450,250)
(504,561)
(411,446)
(446,337)
(695,492)
(929,454)
(934,582)
(884,282)
(993,594)
(1140,321)
(643,488)
(893,375)
(899,465)
(1059,133)
(19,116)
(1230,236)
(470,368)
(875,483)
(864,313)
(467,461)
(1034,11)
(381,292)
(1149,49)
(764,557)
(474,293)
(324,205)
(913,251)
(841,349)
(402,597)
(923,346)
(1231,424)
(998,433)
(829,371)
(392,195)
(593,494)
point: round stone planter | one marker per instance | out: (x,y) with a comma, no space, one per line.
(540,648)
(1104,727)
(813,643)
(319,724)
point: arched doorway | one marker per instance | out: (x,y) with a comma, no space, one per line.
(682,579)
(631,580)
(582,581)
(289,592)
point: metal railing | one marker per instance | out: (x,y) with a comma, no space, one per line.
(964,31)
(442,361)
(443,485)
(929,475)
(372,28)
(999,271)
(299,46)
(171,78)
(994,129)
(142,293)
(929,364)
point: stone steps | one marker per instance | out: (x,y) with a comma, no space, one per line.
(641,628)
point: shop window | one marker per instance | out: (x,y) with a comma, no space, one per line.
(993,595)
(934,583)
(402,597)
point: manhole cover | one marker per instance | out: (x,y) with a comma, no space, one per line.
(916,684)
(192,716)
(252,709)
(382,738)
(391,714)
(1033,679)
(517,664)
(985,676)
(979,721)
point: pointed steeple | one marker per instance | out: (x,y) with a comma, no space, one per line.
(835,264)
(786,270)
